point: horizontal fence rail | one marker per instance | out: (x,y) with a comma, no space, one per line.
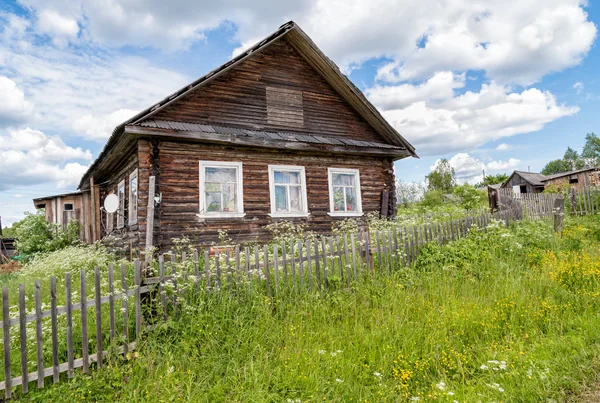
(90,329)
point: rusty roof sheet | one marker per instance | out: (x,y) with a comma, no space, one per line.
(259,134)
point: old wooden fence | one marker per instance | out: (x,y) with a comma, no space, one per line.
(579,201)
(33,350)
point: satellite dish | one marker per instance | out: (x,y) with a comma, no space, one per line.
(111,203)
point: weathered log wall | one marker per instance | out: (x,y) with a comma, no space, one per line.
(179,183)
(239,99)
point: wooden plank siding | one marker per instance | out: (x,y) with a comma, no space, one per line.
(178,180)
(125,240)
(239,99)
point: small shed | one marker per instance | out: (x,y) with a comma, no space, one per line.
(525,182)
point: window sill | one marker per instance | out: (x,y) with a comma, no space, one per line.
(345,214)
(289,215)
(220,216)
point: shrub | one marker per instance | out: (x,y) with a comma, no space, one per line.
(35,234)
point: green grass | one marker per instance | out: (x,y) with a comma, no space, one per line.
(482,319)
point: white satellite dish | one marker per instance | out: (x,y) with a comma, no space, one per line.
(111,203)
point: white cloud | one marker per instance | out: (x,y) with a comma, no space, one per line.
(13,106)
(578,87)
(517,43)
(60,28)
(472,119)
(438,88)
(469,169)
(31,157)
(504,147)
(67,84)
(100,127)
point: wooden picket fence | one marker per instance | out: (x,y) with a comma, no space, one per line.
(581,201)
(293,267)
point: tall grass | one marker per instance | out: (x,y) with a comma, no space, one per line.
(492,323)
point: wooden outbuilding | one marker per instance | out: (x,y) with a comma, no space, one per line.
(277,133)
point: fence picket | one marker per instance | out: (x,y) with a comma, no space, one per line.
(325,269)
(6,340)
(23,338)
(38,336)
(267,271)
(98,292)
(125,309)
(69,314)
(138,299)
(111,301)
(84,323)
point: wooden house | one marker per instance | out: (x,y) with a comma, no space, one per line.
(525,182)
(277,133)
(574,179)
(63,208)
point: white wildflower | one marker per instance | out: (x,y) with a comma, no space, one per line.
(483,367)
(321,352)
(441,386)
(338,380)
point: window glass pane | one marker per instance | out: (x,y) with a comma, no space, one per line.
(287,177)
(221,175)
(213,187)
(229,191)
(280,199)
(295,198)
(351,199)
(343,179)
(213,201)
(338,199)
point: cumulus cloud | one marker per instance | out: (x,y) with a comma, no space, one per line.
(60,28)
(469,169)
(31,157)
(578,87)
(100,127)
(516,44)
(13,106)
(471,119)
(504,147)
(69,86)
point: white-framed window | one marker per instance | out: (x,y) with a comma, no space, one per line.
(121,210)
(344,192)
(133,197)
(221,190)
(287,186)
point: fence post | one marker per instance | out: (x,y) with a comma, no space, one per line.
(559,215)
(573,201)
(6,329)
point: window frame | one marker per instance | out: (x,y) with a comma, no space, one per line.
(132,219)
(239,189)
(70,204)
(303,191)
(121,208)
(359,210)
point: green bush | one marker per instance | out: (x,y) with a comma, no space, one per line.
(35,234)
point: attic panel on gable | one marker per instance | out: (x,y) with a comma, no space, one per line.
(300,100)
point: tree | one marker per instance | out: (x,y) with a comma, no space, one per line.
(470,197)
(591,150)
(442,178)
(556,166)
(572,158)
(408,192)
(492,180)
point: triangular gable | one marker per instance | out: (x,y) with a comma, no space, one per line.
(312,54)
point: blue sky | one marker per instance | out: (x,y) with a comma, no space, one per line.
(485,84)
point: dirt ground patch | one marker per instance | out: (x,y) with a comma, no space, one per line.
(10,267)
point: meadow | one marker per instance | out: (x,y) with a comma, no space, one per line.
(503,315)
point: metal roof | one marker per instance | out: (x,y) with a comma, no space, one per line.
(561,174)
(534,178)
(280,136)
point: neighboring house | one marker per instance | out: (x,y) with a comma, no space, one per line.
(64,208)
(277,133)
(574,179)
(525,182)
